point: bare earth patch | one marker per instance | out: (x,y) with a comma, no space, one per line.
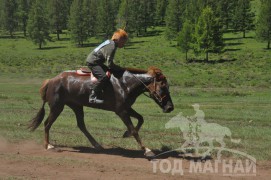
(28,160)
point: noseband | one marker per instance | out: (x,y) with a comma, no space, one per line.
(153,93)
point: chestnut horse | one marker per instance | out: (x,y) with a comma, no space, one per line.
(71,89)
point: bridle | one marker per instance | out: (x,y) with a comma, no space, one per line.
(153,93)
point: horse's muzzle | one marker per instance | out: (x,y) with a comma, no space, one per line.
(168,108)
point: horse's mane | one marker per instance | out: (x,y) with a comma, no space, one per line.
(136,70)
(153,71)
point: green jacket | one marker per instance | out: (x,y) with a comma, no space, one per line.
(104,53)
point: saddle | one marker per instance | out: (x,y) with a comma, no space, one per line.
(84,71)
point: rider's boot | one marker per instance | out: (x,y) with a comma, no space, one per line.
(93,97)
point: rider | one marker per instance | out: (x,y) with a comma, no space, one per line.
(102,54)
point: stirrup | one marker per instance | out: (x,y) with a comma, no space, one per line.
(96,101)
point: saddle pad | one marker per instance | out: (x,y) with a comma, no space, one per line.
(86,72)
(81,73)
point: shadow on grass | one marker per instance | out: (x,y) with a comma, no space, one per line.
(64,39)
(154,33)
(232,38)
(231,50)
(211,61)
(233,44)
(54,47)
(87,45)
(14,37)
(134,42)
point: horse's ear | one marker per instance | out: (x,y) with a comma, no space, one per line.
(154,71)
(151,71)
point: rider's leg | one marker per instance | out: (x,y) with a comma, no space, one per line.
(100,73)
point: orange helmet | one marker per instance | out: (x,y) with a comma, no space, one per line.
(120,33)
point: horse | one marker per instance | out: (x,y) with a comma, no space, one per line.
(69,88)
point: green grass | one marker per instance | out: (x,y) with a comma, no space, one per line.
(233,91)
(245,113)
(246,62)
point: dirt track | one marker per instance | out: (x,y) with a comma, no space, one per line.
(28,160)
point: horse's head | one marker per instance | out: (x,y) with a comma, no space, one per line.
(159,90)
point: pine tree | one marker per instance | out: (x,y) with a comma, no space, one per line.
(208,35)
(58,12)
(10,16)
(77,23)
(185,37)
(90,8)
(244,17)
(263,29)
(173,18)
(123,18)
(129,16)
(106,17)
(38,23)
(148,12)
(226,12)
(192,11)
(23,11)
(160,11)
(1,14)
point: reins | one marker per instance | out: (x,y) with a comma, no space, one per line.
(153,93)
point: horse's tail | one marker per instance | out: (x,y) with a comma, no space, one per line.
(36,121)
(43,89)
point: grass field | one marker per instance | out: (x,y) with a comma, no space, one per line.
(233,90)
(246,114)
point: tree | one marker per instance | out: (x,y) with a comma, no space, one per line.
(106,17)
(173,19)
(129,16)
(136,15)
(1,14)
(23,11)
(90,8)
(147,10)
(192,11)
(58,13)
(263,29)
(38,23)
(208,34)
(123,17)
(10,16)
(226,12)
(77,23)
(185,37)
(160,11)
(244,17)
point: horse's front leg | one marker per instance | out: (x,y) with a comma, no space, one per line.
(125,117)
(133,113)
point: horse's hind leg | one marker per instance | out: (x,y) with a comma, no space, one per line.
(78,110)
(54,113)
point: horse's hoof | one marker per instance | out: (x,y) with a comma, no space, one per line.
(126,134)
(149,154)
(49,146)
(99,147)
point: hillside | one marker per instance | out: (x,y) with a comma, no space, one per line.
(244,63)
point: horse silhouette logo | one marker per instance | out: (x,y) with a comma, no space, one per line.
(196,132)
